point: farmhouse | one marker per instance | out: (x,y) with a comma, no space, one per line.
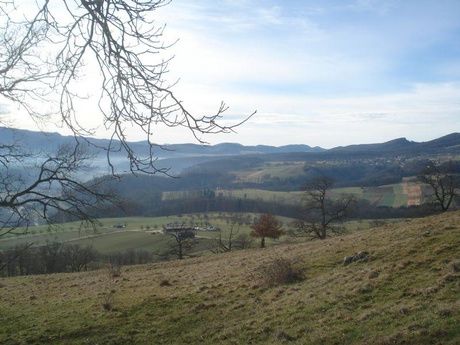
(179,228)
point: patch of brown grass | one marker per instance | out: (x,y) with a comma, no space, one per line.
(280,271)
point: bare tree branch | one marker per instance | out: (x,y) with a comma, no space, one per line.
(321,212)
(46,47)
(54,188)
(443,181)
(125,43)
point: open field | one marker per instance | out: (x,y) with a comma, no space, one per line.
(389,195)
(261,194)
(406,294)
(138,233)
(270,170)
(394,195)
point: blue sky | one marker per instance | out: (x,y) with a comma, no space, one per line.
(328,73)
(321,72)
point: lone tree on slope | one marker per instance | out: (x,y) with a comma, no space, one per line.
(443,181)
(322,213)
(266,226)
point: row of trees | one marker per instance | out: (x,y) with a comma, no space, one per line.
(55,257)
(52,257)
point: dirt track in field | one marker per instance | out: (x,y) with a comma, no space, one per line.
(413,192)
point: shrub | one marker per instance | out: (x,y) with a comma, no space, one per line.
(455,266)
(165,282)
(107,300)
(279,272)
(114,270)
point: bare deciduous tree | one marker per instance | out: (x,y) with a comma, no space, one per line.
(79,257)
(183,243)
(46,47)
(243,241)
(321,212)
(443,181)
(43,190)
(50,44)
(227,244)
(18,253)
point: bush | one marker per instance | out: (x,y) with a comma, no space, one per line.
(114,270)
(279,272)
(455,266)
(165,282)
(107,300)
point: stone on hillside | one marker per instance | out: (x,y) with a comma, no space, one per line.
(455,266)
(362,256)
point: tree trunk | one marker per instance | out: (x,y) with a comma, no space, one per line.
(180,251)
(323,233)
(262,242)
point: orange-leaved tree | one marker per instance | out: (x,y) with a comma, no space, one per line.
(267,226)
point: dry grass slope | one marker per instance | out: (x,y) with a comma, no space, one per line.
(407,293)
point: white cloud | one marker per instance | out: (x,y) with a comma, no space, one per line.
(320,83)
(422,113)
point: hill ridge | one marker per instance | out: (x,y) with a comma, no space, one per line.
(452,139)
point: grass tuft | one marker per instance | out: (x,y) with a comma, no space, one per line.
(165,282)
(108,300)
(280,271)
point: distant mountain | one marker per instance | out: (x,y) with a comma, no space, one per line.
(41,141)
(450,141)
(48,142)
(402,145)
(392,145)
(30,139)
(228,156)
(175,157)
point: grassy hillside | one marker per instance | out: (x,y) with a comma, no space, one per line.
(270,170)
(407,293)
